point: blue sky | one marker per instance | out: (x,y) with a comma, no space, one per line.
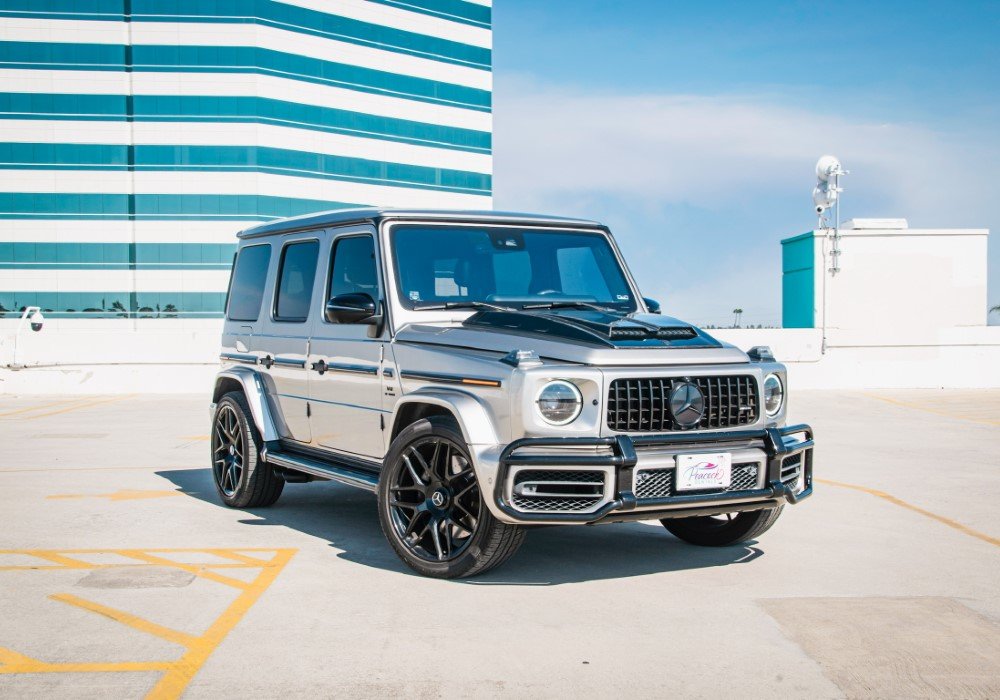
(693,128)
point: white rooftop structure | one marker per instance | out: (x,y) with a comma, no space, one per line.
(874,224)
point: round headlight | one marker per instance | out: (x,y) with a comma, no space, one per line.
(774,394)
(559,402)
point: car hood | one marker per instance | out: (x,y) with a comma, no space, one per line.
(580,336)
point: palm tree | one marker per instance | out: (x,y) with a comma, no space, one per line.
(119,307)
(736,317)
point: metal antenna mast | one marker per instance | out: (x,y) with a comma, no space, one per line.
(826,194)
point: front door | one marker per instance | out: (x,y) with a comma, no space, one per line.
(286,344)
(346,358)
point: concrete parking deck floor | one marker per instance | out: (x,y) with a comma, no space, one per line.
(122,575)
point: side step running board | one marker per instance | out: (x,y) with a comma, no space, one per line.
(323,470)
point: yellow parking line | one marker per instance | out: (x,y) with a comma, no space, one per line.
(12,662)
(83,405)
(177,679)
(119,495)
(171,635)
(94,469)
(236,556)
(918,407)
(195,569)
(56,558)
(177,674)
(161,550)
(909,506)
(43,406)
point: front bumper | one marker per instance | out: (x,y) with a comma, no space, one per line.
(619,458)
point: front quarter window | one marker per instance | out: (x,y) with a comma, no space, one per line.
(507,266)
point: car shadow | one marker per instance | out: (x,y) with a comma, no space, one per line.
(346,517)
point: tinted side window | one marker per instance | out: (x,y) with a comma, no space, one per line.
(247,287)
(295,281)
(354,267)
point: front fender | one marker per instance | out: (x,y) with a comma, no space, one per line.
(256,395)
(474,418)
(478,428)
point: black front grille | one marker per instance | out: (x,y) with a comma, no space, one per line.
(659,483)
(643,405)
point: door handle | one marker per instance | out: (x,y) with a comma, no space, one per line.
(320,367)
(267,361)
(289,362)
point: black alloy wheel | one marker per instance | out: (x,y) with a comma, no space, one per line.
(242,479)
(431,507)
(724,529)
(436,505)
(228,450)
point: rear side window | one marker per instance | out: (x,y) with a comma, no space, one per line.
(295,281)
(247,288)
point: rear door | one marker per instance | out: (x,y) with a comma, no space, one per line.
(346,389)
(296,290)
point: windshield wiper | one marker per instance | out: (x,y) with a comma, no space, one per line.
(569,305)
(461,305)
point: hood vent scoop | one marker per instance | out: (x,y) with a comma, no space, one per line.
(682,333)
(591,328)
(677,333)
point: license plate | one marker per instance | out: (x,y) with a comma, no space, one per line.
(704,471)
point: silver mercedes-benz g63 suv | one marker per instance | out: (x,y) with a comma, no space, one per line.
(483,373)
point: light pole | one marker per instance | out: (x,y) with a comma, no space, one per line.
(32,316)
(826,194)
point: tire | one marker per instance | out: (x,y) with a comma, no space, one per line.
(454,536)
(241,478)
(719,531)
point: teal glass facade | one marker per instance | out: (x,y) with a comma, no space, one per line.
(137,137)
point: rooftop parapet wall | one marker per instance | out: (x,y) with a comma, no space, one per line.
(72,358)
(892,279)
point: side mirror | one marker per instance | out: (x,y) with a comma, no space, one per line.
(351,308)
(652,305)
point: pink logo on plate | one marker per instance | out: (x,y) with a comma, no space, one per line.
(704,473)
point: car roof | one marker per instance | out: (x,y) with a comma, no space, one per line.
(340,217)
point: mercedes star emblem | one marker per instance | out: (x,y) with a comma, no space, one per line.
(687,404)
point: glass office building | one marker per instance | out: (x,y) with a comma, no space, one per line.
(137,136)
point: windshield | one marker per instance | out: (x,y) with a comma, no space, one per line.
(511,267)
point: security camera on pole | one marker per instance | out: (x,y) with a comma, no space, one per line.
(826,194)
(31,316)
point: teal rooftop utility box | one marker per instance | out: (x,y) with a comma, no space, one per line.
(798,281)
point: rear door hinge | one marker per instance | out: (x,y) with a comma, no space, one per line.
(308,410)
(381,421)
